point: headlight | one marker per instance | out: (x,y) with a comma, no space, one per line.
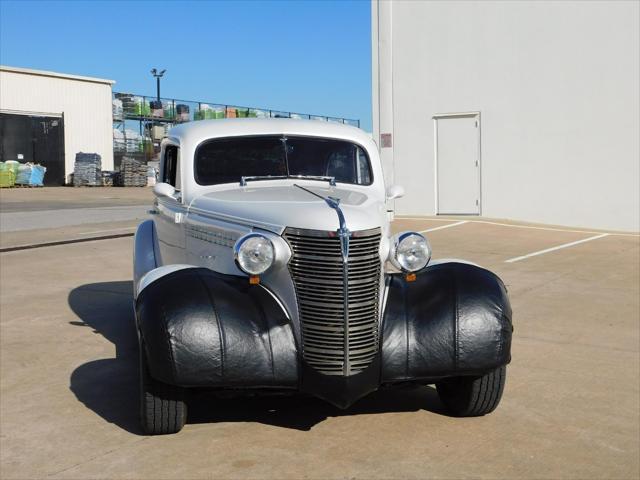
(410,251)
(254,254)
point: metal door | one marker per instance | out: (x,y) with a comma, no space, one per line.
(168,219)
(36,139)
(48,148)
(457,153)
(170,212)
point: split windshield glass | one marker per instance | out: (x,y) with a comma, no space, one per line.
(226,160)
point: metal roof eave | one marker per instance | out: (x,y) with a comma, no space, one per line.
(45,73)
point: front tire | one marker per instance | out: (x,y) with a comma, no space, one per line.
(472,396)
(162,406)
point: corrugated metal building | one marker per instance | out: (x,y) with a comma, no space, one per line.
(48,117)
(521,110)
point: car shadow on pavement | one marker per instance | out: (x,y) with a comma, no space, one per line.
(302,412)
(109,386)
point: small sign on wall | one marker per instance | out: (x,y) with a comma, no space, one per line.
(386,140)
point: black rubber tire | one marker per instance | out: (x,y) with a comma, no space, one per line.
(472,396)
(162,406)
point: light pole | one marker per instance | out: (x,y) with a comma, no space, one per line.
(158,76)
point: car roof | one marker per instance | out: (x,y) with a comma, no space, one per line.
(198,131)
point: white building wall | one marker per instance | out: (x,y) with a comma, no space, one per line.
(382,110)
(557,85)
(84,102)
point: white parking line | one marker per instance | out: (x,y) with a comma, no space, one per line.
(123,229)
(444,226)
(401,217)
(511,225)
(552,249)
(554,229)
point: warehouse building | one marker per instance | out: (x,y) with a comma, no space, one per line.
(519,110)
(48,117)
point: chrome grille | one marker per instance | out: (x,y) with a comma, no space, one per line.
(316,268)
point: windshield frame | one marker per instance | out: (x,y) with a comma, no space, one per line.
(288,176)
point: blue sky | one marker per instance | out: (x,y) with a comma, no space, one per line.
(303,56)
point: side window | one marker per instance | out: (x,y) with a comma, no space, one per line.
(340,165)
(349,164)
(363,173)
(171,169)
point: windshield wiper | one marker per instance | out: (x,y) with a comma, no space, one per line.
(322,178)
(244,180)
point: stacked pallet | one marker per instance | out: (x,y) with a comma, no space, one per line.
(87,170)
(133,141)
(133,173)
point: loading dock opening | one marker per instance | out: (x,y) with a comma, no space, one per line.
(35,138)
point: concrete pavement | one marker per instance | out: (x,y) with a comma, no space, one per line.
(68,378)
(56,198)
(67,217)
(31,216)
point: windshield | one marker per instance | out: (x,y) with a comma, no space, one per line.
(226,160)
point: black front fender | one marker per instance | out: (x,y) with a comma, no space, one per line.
(202,328)
(454,319)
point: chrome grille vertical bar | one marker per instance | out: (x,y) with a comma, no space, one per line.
(343,233)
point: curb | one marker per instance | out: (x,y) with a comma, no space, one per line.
(64,242)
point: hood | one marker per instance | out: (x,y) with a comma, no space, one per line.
(277,207)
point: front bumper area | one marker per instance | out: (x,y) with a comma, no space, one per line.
(203,329)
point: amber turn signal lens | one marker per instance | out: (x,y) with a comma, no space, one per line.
(254,280)
(410,277)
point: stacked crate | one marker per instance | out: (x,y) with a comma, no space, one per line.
(133,173)
(87,170)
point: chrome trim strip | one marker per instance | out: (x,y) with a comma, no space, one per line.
(278,301)
(359,235)
(343,233)
(277,229)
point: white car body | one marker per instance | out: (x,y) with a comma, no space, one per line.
(324,316)
(198,225)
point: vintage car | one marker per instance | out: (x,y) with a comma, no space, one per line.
(269,266)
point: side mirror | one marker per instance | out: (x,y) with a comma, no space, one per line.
(395,191)
(164,190)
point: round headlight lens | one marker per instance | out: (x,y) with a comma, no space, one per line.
(411,252)
(254,254)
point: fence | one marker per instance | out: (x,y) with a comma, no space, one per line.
(151,120)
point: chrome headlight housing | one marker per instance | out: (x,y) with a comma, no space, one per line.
(254,254)
(410,251)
